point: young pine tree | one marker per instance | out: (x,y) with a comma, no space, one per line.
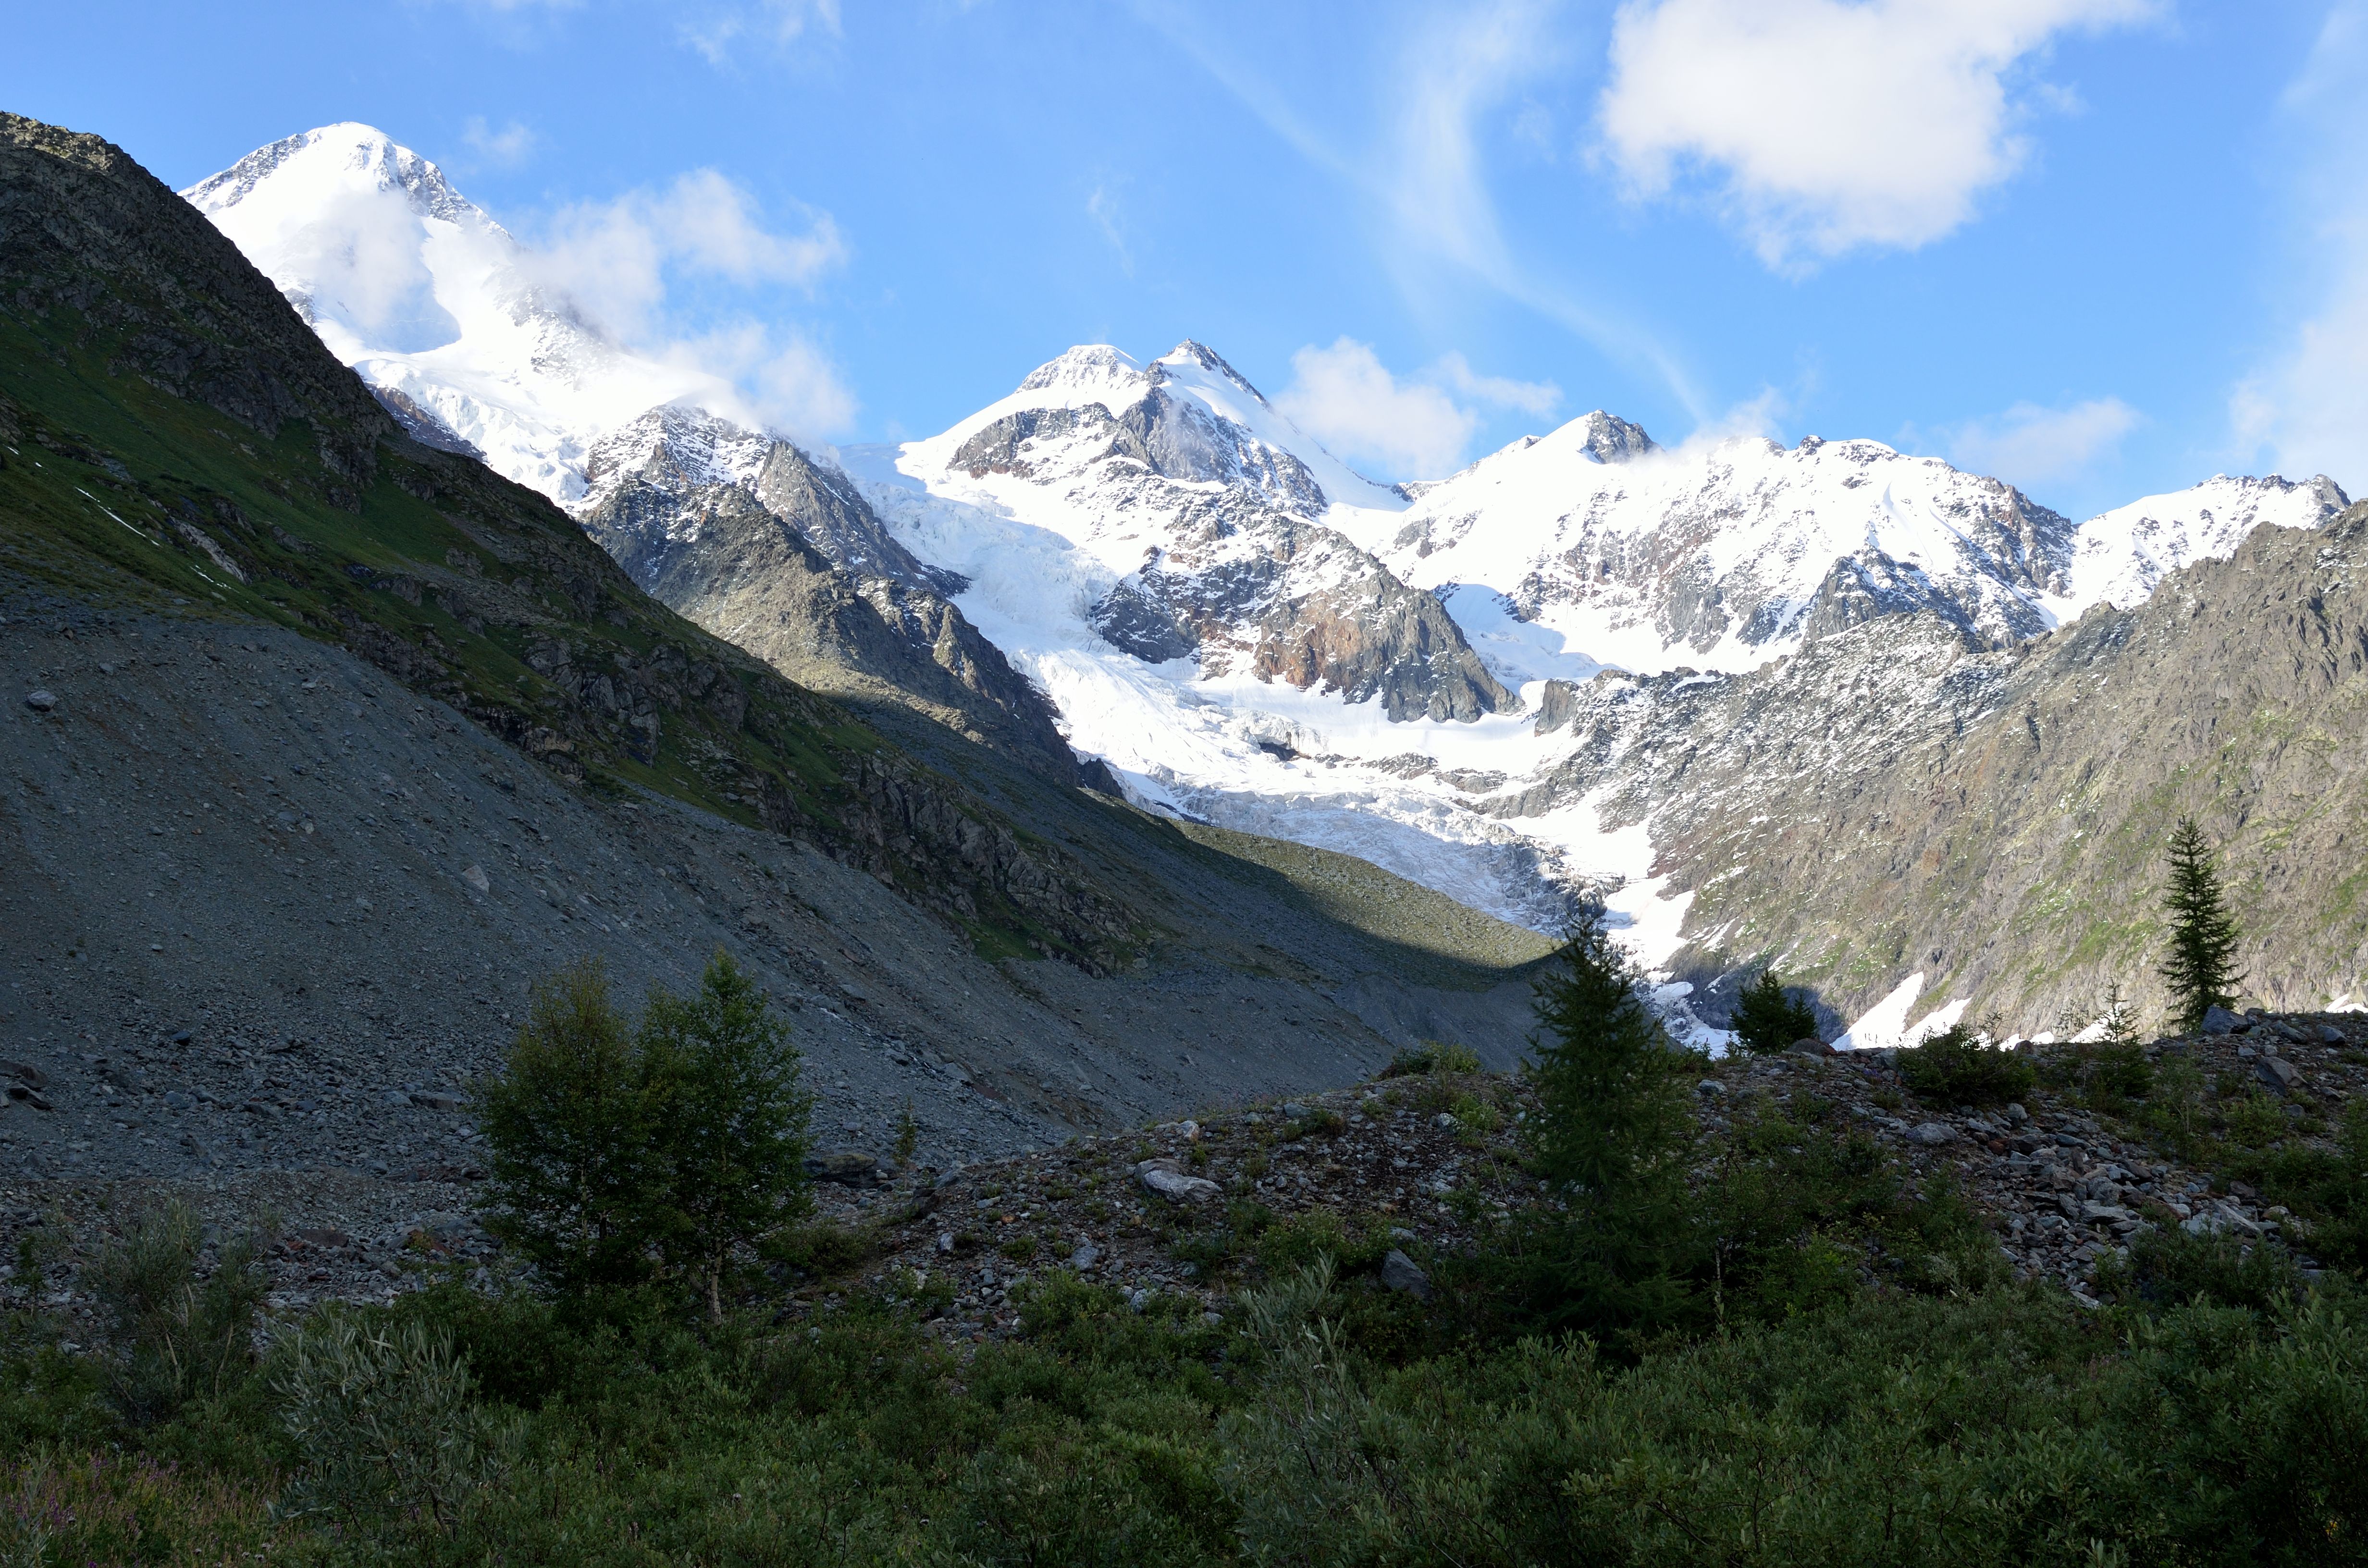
(572,1163)
(1769,1019)
(1610,1139)
(2200,967)
(732,1134)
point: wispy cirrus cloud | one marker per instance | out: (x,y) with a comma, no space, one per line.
(1818,127)
(725,34)
(506,148)
(2304,405)
(1424,168)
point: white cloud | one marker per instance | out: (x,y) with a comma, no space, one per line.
(723,35)
(505,148)
(1345,398)
(2029,445)
(787,383)
(617,257)
(1528,397)
(1102,206)
(1824,125)
(2306,406)
(627,264)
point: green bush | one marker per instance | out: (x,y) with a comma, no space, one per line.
(383,1416)
(1432,1056)
(1769,1019)
(174,1334)
(1957,1067)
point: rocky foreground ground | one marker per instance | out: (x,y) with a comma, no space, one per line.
(1409,1164)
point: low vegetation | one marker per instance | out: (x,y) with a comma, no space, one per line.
(1766,1344)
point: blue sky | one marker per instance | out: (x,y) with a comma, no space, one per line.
(2099,248)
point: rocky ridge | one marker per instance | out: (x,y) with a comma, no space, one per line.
(1899,801)
(746,536)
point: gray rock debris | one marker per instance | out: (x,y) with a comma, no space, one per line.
(1932,1134)
(2219,1020)
(40,701)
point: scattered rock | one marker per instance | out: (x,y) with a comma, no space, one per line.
(438,1099)
(2329,1035)
(1399,1272)
(2279,1073)
(40,701)
(1806,1046)
(1085,1257)
(25,1072)
(2017,1115)
(1932,1134)
(475,877)
(1710,1087)
(1165,1178)
(2219,1020)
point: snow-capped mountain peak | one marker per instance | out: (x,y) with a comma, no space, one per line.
(436,305)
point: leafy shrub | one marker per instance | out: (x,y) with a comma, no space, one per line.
(1957,1067)
(2169,1269)
(175,1336)
(1769,1019)
(383,1416)
(821,1249)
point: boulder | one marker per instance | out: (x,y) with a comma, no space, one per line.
(1806,1046)
(2277,1072)
(1400,1272)
(40,701)
(1932,1134)
(1166,1179)
(2219,1020)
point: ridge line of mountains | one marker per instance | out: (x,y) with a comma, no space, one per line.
(1828,706)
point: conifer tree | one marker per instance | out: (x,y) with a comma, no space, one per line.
(2200,967)
(1609,1138)
(1769,1019)
(731,1133)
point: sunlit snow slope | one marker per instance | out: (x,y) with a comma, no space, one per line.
(435,304)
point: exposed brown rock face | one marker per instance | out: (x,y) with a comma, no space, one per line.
(1896,800)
